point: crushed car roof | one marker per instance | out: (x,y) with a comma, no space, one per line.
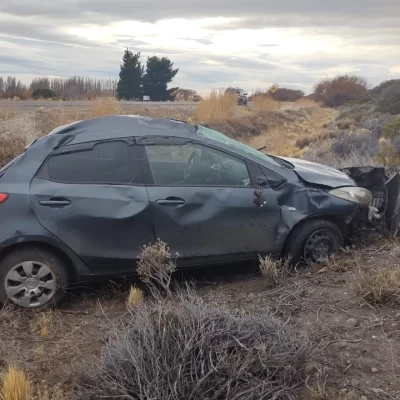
(126,125)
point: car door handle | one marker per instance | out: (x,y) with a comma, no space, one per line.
(171,201)
(55,203)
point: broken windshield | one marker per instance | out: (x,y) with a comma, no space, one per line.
(220,137)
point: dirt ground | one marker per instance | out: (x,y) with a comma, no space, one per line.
(357,346)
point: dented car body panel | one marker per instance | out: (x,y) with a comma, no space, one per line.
(100,225)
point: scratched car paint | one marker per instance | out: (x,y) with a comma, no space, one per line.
(81,201)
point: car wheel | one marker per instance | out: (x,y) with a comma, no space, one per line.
(33,278)
(312,241)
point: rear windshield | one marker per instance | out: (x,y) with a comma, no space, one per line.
(220,137)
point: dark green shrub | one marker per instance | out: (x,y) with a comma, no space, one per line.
(389,105)
(43,94)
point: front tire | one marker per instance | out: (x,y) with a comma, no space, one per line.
(312,241)
(33,278)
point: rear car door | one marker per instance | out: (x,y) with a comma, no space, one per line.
(90,196)
(203,202)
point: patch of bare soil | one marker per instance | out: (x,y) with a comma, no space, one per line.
(357,344)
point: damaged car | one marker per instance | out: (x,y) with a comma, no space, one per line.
(83,200)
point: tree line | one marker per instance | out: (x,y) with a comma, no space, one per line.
(76,87)
(135,81)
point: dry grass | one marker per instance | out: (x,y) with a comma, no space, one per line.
(15,385)
(43,324)
(306,102)
(265,103)
(217,107)
(105,106)
(55,393)
(274,272)
(377,287)
(135,297)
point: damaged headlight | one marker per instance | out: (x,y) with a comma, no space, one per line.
(357,195)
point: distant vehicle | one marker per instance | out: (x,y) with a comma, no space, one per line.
(82,200)
(240,93)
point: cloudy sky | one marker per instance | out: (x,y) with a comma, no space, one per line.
(214,43)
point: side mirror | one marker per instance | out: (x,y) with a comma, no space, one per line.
(259,192)
(262,182)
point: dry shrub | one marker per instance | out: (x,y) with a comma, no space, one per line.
(104,106)
(264,103)
(337,91)
(10,147)
(283,94)
(135,297)
(275,272)
(15,385)
(377,287)
(156,267)
(184,348)
(217,107)
(54,393)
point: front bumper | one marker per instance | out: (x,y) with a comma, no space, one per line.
(384,212)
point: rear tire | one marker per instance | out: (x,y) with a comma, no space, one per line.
(313,240)
(34,278)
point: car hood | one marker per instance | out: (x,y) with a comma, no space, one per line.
(320,174)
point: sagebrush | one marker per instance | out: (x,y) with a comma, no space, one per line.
(156,267)
(186,349)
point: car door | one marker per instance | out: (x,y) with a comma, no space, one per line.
(208,211)
(90,196)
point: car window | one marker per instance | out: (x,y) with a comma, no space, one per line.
(220,137)
(107,162)
(195,164)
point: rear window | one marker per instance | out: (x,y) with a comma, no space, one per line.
(107,162)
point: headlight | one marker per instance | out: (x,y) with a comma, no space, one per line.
(357,195)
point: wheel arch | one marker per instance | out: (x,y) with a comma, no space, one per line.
(337,220)
(57,250)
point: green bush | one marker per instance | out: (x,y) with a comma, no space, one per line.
(43,94)
(391,130)
(389,105)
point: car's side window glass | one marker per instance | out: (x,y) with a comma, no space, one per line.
(195,164)
(106,162)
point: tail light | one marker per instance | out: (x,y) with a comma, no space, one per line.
(3,197)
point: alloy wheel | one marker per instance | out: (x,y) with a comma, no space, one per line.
(30,284)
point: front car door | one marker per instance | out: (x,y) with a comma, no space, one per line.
(90,196)
(203,202)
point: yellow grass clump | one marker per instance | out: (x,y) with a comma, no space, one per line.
(105,106)
(43,324)
(135,297)
(377,287)
(217,107)
(264,102)
(15,385)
